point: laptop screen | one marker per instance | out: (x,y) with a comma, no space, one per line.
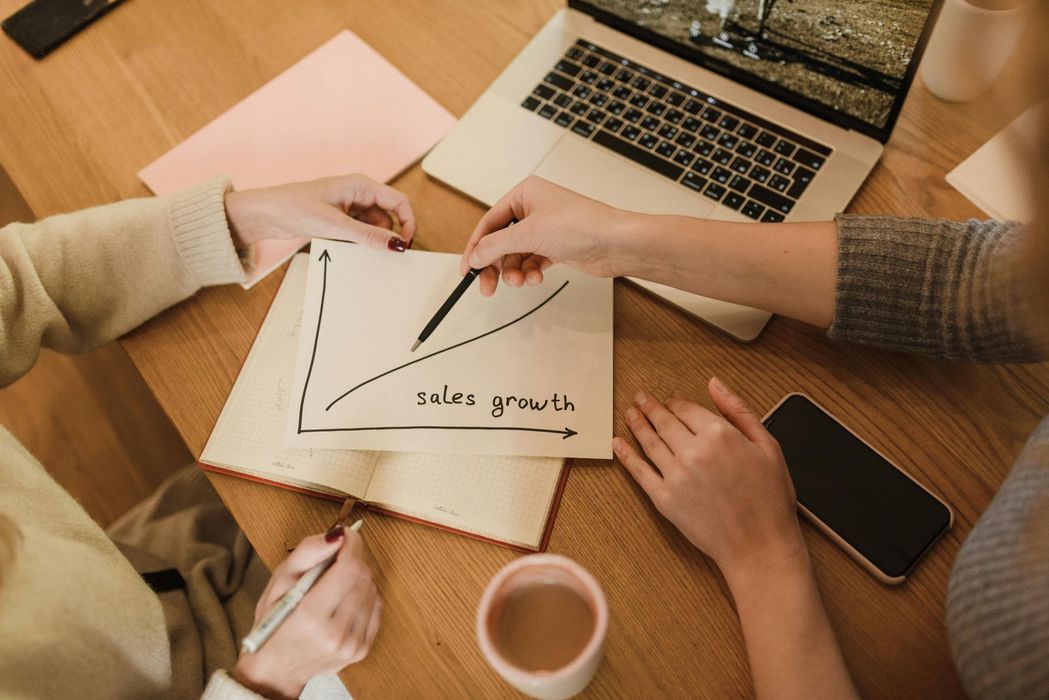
(851,58)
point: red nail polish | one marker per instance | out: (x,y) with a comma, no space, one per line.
(410,243)
(396,244)
(335,532)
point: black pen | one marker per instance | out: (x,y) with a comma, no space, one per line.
(463,285)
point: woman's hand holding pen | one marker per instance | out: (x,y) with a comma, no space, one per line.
(556,226)
(331,628)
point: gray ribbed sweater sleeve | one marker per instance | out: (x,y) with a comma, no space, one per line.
(998,596)
(940,288)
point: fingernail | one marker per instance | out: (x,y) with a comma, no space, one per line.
(718,384)
(632,414)
(617,445)
(335,533)
(475,262)
(640,397)
(396,244)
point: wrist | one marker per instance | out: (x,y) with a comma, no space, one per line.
(247,673)
(633,244)
(234,219)
(779,563)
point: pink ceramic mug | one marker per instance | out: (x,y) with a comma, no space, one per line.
(534,569)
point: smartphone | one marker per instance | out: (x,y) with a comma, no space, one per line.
(42,25)
(872,508)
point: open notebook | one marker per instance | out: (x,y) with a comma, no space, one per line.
(510,500)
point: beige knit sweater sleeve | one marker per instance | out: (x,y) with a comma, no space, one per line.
(74,281)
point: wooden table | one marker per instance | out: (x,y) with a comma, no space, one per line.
(79,125)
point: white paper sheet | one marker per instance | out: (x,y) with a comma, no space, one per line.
(526,372)
(995,177)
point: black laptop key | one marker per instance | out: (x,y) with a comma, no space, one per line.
(785,148)
(558,80)
(740,165)
(591,60)
(583,128)
(574,53)
(683,157)
(721,175)
(621,93)
(613,124)
(711,114)
(809,159)
(693,107)
(580,108)
(641,83)
(632,115)
(740,184)
(543,92)
(608,68)
(753,210)
(733,201)
(630,133)
(779,183)
(564,119)
(648,140)
(598,99)
(760,174)
(616,107)
(766,139)
(582,91)
(747,131)
(530,103)
(675,98)
(802,178)
(604,85)
(638,155)
(783,166)
(656,108)
(667,131)
(547,111)
(694,182)
(746,149)
(703,148)
(685,139)
(714,191)
(765,157)
(650,123)
(638,100)
(773,200)
(568,68)
(674,116)
(703,166)
(728,123)
(709,133)
(657,91)
(691,124)
(589,77)
(772,217)
(728,140)
(596,116)
(722,156)
(624,76)
(563,99)
(666,149)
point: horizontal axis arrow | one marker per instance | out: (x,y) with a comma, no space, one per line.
(565,434)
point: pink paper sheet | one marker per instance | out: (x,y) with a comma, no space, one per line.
(341,109)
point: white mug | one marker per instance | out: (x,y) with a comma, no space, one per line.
(969,47)
(560,683)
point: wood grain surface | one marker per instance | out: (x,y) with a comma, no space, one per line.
(79,125)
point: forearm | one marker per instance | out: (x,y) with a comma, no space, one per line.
(789,269)
(74,281)
(792,648)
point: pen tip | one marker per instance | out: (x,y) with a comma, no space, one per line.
(416,344)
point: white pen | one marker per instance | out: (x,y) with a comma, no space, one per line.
(288,602)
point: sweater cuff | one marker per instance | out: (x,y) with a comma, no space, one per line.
(222,687)
(947,289)
(198,223)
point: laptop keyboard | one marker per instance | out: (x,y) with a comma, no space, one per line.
(703,143)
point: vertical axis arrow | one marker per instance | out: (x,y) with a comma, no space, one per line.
(320,314)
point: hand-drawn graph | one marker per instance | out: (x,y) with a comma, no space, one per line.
(336,365)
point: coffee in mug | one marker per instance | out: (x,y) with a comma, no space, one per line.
(541,625)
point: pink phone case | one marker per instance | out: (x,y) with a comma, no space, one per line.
(834,537)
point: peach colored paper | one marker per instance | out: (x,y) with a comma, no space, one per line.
(341,109)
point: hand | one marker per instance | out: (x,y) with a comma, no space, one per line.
(346,208)
(555,226)
(331,628)
(721,480)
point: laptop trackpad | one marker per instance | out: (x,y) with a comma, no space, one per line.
(590,170)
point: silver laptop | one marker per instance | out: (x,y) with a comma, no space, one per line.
(743,110)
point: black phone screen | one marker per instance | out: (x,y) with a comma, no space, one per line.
(866,500)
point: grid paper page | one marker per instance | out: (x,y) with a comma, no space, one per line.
(249,434)
(501,498)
